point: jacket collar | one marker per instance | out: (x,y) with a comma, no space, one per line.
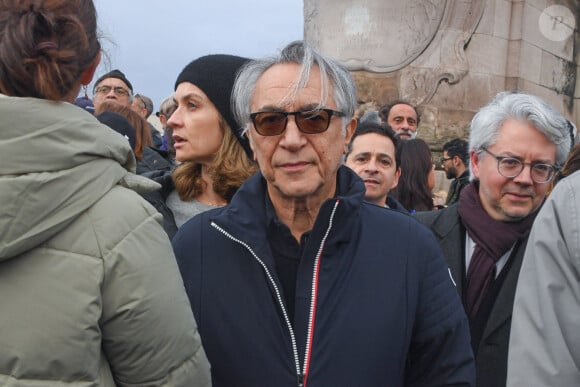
(246,214)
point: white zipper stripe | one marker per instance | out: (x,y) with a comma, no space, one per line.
(278,297)
(314,296)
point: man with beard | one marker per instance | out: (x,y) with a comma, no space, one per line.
(402,117)
(454,162)
(517,143)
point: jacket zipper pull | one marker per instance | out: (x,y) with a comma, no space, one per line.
(301,380)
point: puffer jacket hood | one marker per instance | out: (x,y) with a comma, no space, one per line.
(45,183)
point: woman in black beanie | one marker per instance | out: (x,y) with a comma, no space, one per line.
(215,159)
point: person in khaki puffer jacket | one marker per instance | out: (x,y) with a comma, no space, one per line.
(90,292)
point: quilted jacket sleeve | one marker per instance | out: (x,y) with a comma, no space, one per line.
(150,337)
(440,352)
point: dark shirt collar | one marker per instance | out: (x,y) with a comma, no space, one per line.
(464,174)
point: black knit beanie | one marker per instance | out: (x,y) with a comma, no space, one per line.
(215,76)
(119,124)
(115,74)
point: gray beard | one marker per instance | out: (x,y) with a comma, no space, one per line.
(407,132)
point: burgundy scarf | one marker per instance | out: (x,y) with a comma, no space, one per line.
(492,238)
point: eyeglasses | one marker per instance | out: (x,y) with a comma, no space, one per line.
(444,159)
(120,91)
(308,122)
(511,167)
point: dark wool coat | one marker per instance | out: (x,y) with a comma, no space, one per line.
(491,348)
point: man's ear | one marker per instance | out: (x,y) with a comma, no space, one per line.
(456,161)
(349,131)
(474,158)
(248,134)
(396,180)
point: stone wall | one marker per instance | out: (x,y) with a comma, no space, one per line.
(451,57)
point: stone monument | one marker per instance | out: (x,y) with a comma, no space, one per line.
(450,57)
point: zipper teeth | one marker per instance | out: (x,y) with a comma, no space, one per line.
(278,297)
(314,296)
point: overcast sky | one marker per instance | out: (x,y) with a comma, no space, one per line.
(152,40)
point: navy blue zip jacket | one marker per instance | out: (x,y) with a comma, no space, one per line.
(375,305)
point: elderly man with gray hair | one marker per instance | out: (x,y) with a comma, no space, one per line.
(299,281)
(517,144)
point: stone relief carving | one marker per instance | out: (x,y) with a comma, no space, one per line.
(373,35)
(387,36)
(419,85)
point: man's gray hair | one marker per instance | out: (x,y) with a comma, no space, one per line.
(488,121)
(300,53)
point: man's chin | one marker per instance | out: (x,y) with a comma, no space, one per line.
(517,213)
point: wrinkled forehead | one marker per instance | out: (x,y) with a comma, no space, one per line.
(285,86)
(113,82)
(402,110)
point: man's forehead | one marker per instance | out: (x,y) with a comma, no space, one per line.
(373,142)
(402,109)
(113,82)
(521,139)
(277,87)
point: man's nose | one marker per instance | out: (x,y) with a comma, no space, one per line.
(175,120)
(525,176)
(292,135)
(371,165)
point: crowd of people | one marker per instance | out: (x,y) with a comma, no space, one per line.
(269,236)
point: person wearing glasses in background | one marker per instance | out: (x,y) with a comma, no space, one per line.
(517,143)
(113,86)
(301,282)
(455,162)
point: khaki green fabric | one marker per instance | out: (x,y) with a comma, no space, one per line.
(90,293)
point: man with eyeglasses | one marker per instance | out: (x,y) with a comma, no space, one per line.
(299,281)
(113,86)
(455,162)
(517,143)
